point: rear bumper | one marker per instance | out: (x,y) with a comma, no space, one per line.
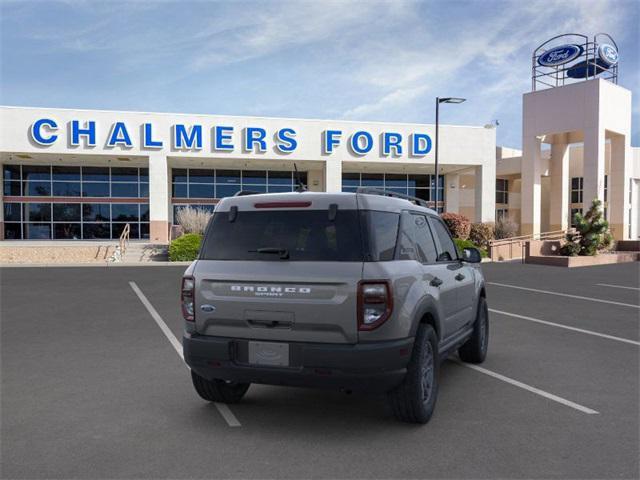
(368,367)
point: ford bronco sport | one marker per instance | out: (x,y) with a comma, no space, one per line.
(355,291)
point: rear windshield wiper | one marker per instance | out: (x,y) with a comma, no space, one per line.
(283,252)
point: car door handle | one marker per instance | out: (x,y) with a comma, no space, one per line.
(436,282)
(459,277)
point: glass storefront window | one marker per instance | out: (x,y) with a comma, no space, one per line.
(37,212)
(93,189)
(36,172)
(37,231)
(66,173)
(96,212)
(124,212)
(37,189)
(95,174)
(12,188)
(66,212)
(12,212)
(67,231)
(66,189)
(197,190)
(129,190)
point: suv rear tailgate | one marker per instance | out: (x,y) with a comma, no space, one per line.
(278,301)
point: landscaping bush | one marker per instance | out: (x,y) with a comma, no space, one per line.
(459,225)
(193,220)
(462,244)
(482,233)
(591,235)
(505,228)
(185,248)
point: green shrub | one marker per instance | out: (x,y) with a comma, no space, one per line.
(185,248)
(459,225)
(592,233)
(462,244)
(482,233)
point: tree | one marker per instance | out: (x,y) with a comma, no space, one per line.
(591,235)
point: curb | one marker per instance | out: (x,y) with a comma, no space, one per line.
(94,265)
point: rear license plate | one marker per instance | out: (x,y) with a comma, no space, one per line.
(269,353)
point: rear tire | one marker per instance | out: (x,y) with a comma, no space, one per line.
(219,390)
(474,350)
(414,400)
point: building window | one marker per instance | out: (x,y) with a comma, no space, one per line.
(573,212)
(192,186)
(420,186)
(82,206)
(502,190)
(576,189)
(502,213)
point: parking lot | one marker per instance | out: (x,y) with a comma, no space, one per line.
(93,386)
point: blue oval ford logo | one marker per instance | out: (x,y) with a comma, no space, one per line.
(608,54)
(208,308)
(560,55)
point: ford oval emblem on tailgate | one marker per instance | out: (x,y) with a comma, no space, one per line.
(208,308)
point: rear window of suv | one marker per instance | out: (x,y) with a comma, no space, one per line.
(302,235)
(305,235)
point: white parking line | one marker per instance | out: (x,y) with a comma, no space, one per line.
(529,388)
(224,409)
(566,327)
(565,295)
(616,286)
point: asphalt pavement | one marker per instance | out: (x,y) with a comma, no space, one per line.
(92,387)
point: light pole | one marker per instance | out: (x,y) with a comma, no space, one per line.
(438,102)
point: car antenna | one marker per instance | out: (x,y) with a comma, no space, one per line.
(301,187)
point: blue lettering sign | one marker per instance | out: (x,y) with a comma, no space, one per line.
(357,146)
(119,136)
(255,136)
(392,140)
(187,139)
(221,137)
(147,138)
(89,131)
(37,134)
(331,140)
(421,144)
(286,142)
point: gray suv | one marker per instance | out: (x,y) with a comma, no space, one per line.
(357,291)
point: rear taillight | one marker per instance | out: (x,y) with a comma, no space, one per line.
(186,298)
(375,303)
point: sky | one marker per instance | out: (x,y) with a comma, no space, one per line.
(345,60)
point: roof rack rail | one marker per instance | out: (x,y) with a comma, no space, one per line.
(388,193)
(244,193)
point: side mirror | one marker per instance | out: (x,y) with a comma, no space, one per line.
(471,255)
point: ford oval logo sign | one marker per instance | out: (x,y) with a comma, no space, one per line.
(560,55)
(608,54)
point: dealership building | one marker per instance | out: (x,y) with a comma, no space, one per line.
(85,174)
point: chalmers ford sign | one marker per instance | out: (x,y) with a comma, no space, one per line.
(46,132)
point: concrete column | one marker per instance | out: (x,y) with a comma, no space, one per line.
(618,191)
(559,201)
(452,192)
(485,192)
(158,198)
(333,175)
(531,173)
(593,166)
(315,179)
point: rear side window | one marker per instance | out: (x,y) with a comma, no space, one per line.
(382,234)
(305,235)
(446,247)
